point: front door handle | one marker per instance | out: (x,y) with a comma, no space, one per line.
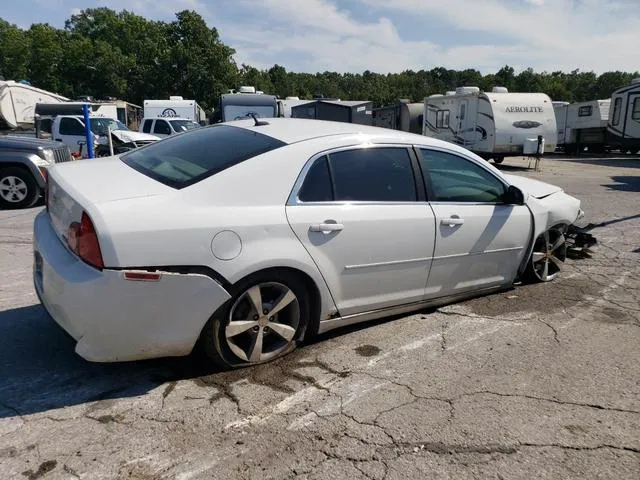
(452,222)
(326,227)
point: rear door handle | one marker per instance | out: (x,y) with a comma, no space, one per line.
(326,227)
(452,222)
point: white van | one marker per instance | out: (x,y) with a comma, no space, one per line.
(163,127)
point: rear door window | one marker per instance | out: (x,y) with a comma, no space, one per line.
(162,127)
(182,160)
(146,128)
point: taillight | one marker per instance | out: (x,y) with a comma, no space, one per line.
(83,241)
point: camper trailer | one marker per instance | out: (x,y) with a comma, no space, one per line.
(246,103)
(493,125)
(582,125)
(175,106)
(18,101)
(403,115)
(623,127)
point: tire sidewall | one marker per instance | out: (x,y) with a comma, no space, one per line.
(214,338)
(33,192)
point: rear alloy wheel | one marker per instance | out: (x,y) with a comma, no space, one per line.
(264,321)
(498,160)
(18,188)
(548,256)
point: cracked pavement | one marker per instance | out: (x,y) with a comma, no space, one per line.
(542,381)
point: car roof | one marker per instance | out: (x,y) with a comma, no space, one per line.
(294,130)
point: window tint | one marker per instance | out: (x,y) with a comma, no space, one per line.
(585,111)
(317,183)
(182,160)
(162,127)
(373,174)
(455,179)
(71,126)
(617,106)
(146,128)
(636,109)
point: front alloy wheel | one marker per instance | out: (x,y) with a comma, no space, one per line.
(18,189)
(548,256)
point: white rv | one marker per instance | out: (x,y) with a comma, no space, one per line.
(175,106)
(623,127)
(493,125)
(18,102)
(582,125)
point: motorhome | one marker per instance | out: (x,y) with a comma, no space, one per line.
(175,106)
(494,124)
(403,115)
(623,126)
(582,125)
(18,101)
(246,103)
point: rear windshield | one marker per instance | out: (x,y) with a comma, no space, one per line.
(182,160)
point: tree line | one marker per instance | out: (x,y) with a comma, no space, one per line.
(104,53)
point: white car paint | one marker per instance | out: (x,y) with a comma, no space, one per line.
(388,258)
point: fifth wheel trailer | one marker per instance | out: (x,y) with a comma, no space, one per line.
(493,124)
(623,128)
(18,101)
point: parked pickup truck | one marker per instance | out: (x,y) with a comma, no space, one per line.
(163,127)
(69,129)
(23,164)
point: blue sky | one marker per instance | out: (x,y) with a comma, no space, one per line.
(394,35)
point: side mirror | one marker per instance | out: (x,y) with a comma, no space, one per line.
(514,196)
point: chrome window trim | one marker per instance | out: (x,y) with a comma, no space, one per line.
(293,199)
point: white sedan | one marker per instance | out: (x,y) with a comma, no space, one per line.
(247,238)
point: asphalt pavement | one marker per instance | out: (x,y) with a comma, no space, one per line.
(542,381)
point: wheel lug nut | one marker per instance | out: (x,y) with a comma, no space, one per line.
(265,311)
(256,328)
(271,319)
(266,329)
(256,317)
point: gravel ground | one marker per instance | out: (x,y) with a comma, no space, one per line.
(542,381)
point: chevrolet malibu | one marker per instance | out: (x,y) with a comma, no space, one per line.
(249,237)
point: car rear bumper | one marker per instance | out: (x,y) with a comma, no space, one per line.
(114,319)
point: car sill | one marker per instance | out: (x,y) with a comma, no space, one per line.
(333,323)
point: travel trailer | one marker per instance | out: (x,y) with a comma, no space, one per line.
(623,127)
(582,125)
(494,124)
(18,101)
(403,115)
(247,102)
(175,106)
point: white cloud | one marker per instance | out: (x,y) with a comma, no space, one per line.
(317,35)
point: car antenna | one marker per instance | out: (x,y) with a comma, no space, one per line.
(258,122)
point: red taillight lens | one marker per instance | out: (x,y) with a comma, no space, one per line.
(83,241)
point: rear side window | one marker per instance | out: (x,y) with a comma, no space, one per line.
(146,128)
(373,174)
(317,184)
(182,160)
(585,111)
(162,127)
(71,126)
(636,109)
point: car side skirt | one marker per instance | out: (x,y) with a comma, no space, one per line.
(333,323)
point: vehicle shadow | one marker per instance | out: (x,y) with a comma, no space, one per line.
(631,161)
(626,183)
(39,370)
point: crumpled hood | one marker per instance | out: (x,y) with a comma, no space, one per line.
(130,136)
(535,188)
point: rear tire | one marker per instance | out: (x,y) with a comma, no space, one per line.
(498,160)
(238,335)
(18,188)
